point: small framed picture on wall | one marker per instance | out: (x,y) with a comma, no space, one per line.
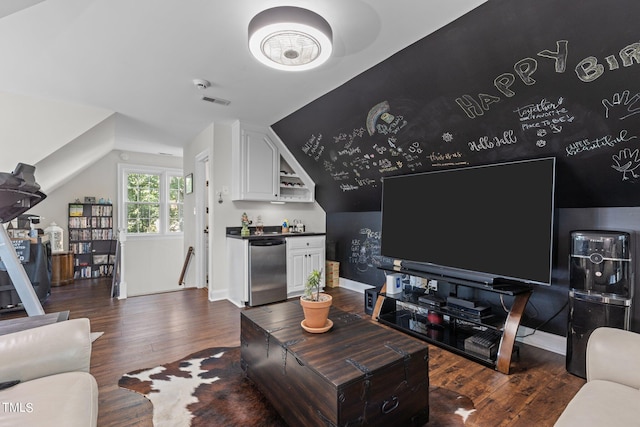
(188,183)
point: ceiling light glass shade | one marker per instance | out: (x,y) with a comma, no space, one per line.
(290,38)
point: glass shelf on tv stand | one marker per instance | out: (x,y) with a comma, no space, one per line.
(493,321)
(454,329)
(445,335)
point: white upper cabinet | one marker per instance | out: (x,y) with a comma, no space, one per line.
(256,165)
(264,170)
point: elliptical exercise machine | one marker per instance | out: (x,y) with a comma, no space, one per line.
(19,192)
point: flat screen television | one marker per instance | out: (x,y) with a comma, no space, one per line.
(484,223)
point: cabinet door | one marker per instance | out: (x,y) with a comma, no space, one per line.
(315,261)
(304,254)
(257,166)
(297,271)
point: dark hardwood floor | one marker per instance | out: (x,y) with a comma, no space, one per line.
(145,331)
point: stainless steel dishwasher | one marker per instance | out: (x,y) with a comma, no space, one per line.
(267,270)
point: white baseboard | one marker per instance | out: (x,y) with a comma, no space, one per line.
(352,285)
(540,339)
(543,340)
(218,295)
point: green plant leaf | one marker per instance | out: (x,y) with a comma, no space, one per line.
(313,285)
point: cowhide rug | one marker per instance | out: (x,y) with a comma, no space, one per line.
(208,388)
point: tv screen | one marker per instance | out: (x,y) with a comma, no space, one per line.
(479,223)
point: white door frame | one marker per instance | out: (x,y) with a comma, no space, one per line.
(202,196)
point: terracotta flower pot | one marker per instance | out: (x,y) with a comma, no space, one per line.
(316,312)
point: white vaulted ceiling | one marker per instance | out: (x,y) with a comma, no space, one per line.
(133,61)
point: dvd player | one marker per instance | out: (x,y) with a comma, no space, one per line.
(432,300)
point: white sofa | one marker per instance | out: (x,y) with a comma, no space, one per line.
(611,396)
(52,364)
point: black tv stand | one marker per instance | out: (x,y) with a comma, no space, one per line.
(406,313)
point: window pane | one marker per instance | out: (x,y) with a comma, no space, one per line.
(152,197)
(154,217)
(132,226)
(173,195)
(143,187)
(176,198)
(133,218)
(132,187)
(176,189)
(175,218)
(143,218)
(150,191)
(137,185)
(132,194)
(132,211)
(154,188)
(174,182)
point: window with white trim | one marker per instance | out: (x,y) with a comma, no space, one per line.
(151,200)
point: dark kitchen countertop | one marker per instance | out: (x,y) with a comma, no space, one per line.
(269,231)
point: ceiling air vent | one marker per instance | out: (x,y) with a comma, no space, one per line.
(216,100)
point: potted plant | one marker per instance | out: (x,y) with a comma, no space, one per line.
(315,305)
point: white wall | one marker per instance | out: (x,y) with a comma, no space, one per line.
(38,127)
(98,180)
(228,213)
(150,265)
(153,265)
(65,163)
(203,142)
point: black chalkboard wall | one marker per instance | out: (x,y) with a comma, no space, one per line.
(356,237)
(511,80)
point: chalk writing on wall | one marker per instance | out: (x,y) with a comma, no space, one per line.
(626,162)
(358,248)
(591,144)
(356,159)
(365,250)
(545,118)
(588,70)
(622,106)
(487,143)
(563,92)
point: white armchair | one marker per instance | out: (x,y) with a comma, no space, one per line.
(52,364)
(611,396)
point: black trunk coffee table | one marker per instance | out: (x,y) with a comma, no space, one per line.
(357,373)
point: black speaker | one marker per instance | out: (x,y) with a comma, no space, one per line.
(370,298)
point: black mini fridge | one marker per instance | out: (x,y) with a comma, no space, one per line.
(601,287)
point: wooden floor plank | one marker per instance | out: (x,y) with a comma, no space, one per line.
(146,331)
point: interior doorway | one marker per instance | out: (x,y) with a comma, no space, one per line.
(202,180)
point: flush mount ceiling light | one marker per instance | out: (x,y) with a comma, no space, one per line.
(290,38)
